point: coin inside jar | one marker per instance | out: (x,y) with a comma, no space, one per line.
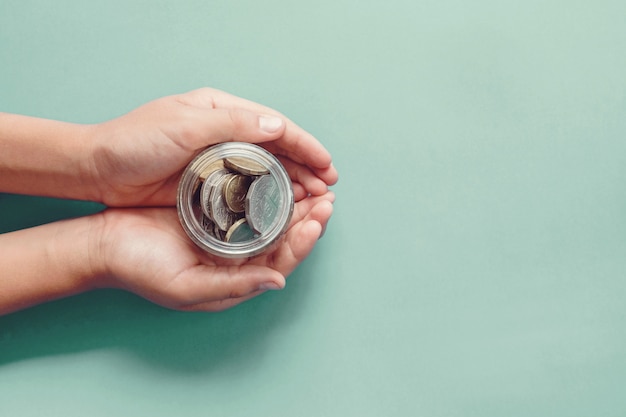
(207,186)
(220,213)
(262,203)
(235,191)
(245,165)
(240,231)
(214,166)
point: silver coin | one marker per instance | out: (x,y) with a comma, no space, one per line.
(220,213)
(205,193)
(218,233)
(262,202)
(207,225)
(245,166)
(202,176)
(240,231)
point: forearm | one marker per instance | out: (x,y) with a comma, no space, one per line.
(45,157)
(46,262)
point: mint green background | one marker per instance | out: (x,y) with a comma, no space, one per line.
(475,264)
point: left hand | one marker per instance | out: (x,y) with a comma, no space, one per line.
(137,159)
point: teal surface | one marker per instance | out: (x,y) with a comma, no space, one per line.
(476,261)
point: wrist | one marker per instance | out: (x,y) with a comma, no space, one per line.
(74,252)
(90,138)
(47,262)
(103,164)
(100,261)
(45,157)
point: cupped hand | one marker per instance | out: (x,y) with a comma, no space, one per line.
(146,251)
(137,159)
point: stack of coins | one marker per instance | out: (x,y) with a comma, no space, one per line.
(236,199)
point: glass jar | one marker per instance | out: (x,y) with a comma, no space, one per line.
(235,200)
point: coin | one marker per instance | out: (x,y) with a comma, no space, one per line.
(205,193)
(245,166)
(202,176)
(262,202)
(240,231)
(196,207)
(220,213)
(212,167)
(207,225)
(235,190)
(218,233)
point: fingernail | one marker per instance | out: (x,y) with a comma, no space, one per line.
(270,286)
(270,124)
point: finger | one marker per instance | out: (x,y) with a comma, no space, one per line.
(300,239)
(321,213)
(201,97)
(202,284)
(299,192)
(296,143)
(304,176)
(329,175)
(221,305)
(304,207)
(204,128)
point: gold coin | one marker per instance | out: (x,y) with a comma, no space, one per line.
(212,167)
(245,166)
(235,190)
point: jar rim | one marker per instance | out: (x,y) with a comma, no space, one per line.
(190,222)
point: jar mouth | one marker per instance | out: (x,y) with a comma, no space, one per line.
(268,207)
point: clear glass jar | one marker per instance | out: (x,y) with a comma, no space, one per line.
(235,200)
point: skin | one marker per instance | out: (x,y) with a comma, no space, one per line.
(133,165)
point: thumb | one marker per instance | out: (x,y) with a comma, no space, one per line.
(226,125)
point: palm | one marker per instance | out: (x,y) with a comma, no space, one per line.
(148,253)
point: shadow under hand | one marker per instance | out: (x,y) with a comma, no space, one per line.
(22,211)
(181,341)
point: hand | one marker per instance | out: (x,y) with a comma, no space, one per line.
(147,252)
(137,159)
